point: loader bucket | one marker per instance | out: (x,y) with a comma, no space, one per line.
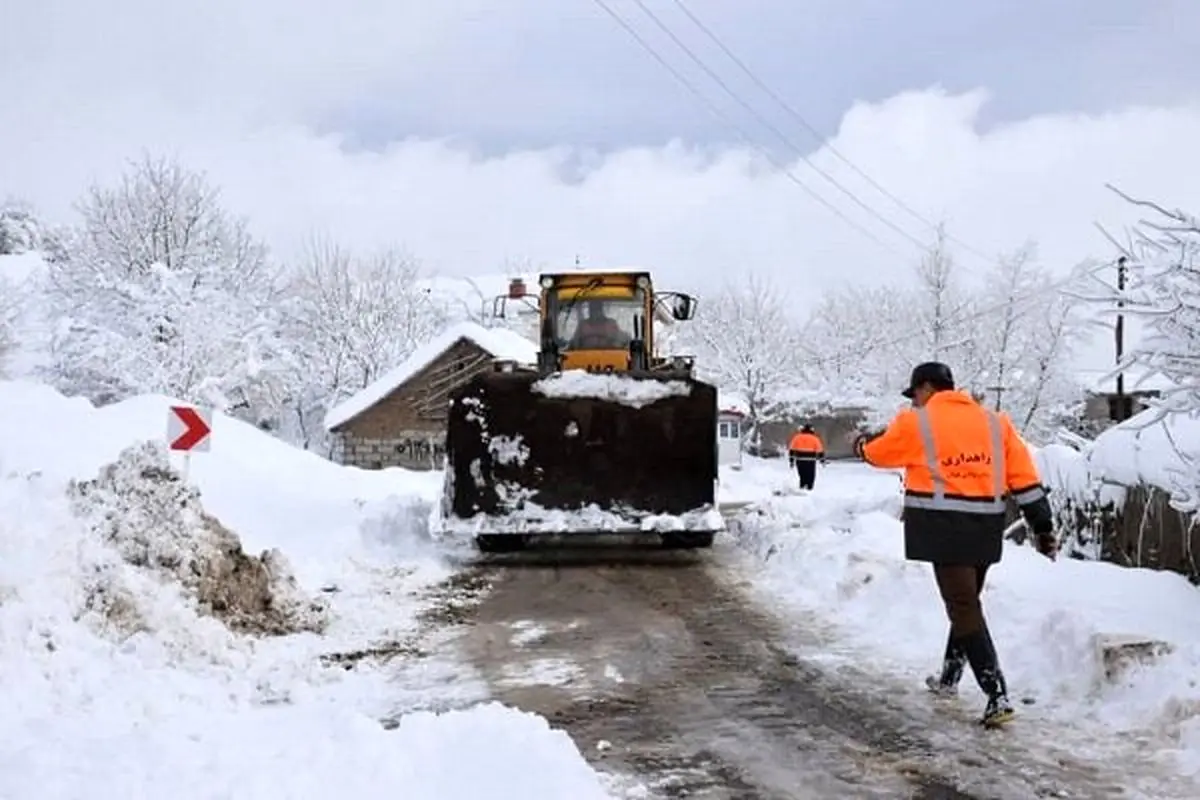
(565,454)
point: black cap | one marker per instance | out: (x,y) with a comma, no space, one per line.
(934,373)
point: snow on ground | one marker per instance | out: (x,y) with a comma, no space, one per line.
(839,552)
(144,652)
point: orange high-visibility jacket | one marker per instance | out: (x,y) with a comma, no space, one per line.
(961,461)
(805,447)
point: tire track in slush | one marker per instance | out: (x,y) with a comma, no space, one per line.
(655,655)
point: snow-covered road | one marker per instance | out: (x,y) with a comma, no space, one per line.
(665,668)
(145,653)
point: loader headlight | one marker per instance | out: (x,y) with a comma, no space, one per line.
(547,282)
(643,282)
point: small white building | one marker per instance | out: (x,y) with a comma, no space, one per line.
(731,427)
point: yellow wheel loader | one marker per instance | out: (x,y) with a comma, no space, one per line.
(600,436)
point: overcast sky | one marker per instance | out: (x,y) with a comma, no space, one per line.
(564,136)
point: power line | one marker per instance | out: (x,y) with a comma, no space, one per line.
(973,314)
(772,127)
(742,135)
(828,145)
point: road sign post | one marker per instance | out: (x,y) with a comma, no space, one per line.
(189,430)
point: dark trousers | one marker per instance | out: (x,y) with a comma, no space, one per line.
(960,587)
(969,639)
(807,470)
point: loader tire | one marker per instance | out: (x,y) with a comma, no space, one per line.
(687,540)
(501,542)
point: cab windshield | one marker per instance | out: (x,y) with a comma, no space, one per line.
(600,323)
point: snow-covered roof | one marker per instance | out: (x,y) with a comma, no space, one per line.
(502,343)
(732,402)
(1137,379)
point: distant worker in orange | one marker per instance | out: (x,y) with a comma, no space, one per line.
(598,331)
(804,451)
(961,462)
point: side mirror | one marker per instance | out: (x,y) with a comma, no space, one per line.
(683,307)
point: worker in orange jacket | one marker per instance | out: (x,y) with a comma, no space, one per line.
(804,451)
(961,462)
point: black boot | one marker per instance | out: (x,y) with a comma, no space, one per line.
(981,653)
(953,662)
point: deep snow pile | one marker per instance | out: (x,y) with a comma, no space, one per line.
(132,660)
(839,552)
(1144,449)
(153,519)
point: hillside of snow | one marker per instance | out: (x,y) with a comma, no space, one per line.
(191,634)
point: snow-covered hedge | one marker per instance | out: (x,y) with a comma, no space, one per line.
(1129,497)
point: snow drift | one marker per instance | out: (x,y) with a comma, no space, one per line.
(163,637)
(144,510)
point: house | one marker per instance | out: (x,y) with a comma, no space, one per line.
(400,419)
(731,429)
(1102,402)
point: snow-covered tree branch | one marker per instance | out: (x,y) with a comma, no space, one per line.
(164,291)
(747,341)
(9,308)
(1162,263)
(352,317)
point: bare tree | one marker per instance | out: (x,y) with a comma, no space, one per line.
(747,341)
(1055,331)
(942,300)
(352,317)
(859,341)
(1009,293)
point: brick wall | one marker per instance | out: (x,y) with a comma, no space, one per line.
(420,450)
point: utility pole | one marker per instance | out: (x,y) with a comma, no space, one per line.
(999,390)
(1119,332)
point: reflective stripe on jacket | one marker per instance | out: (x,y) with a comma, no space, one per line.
(961,461)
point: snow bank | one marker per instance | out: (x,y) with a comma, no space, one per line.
(143,650)
(313,753)
(153,520)
(838,553)
(616,388)
(1066,471)
(272,494)
(1145,449)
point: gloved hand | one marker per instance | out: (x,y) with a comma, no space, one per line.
(1047,544)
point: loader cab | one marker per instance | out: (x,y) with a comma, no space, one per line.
(603,321)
